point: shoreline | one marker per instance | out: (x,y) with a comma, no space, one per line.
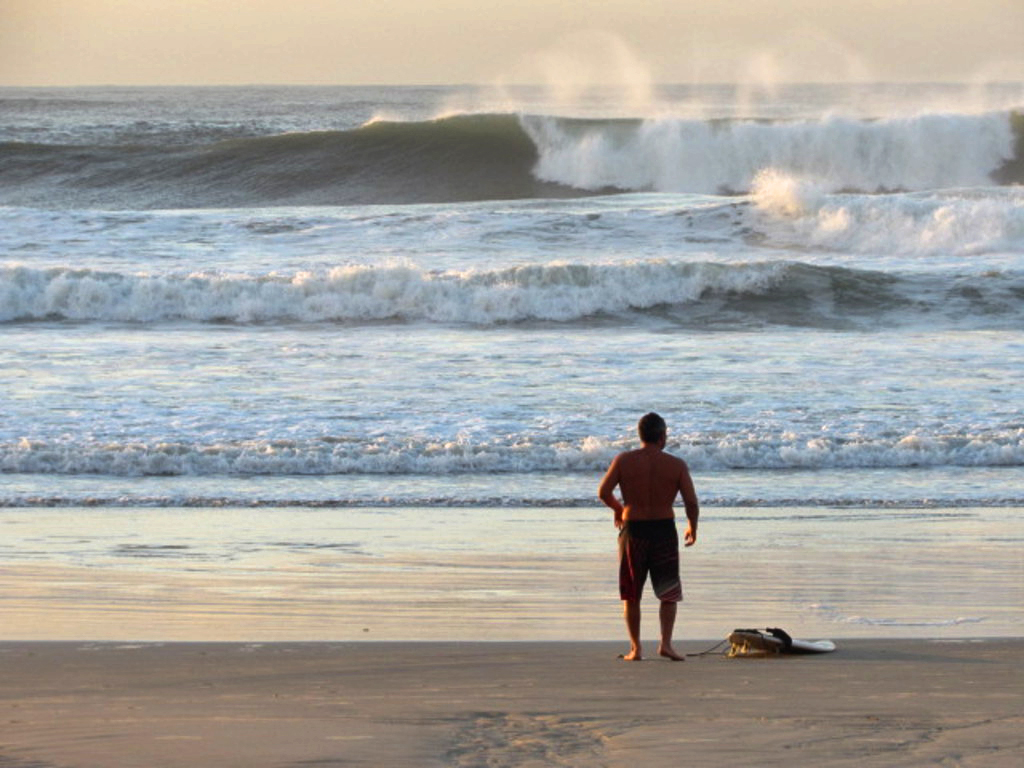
(878,701)
(521,575)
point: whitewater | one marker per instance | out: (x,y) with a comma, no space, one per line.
(450,296)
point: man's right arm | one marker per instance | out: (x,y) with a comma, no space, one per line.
(606,491)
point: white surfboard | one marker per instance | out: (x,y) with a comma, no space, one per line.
(812,646)
(755,642)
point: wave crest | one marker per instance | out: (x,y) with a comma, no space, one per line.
(452,159)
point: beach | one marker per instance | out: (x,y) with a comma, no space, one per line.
(383,654)
(872,703)
(308,392)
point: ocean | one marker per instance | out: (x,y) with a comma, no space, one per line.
(315,343)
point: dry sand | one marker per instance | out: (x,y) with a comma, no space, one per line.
(872,703)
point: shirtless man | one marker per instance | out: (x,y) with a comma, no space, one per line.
(649,480)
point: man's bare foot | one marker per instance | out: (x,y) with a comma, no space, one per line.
(669,653)
(633,655)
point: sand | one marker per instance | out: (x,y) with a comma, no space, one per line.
(872,703)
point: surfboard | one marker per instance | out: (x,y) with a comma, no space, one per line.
(756,642)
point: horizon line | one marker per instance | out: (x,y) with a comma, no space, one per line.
(492,85)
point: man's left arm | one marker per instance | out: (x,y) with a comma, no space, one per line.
(691,504)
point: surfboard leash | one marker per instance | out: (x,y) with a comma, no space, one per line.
(711,650)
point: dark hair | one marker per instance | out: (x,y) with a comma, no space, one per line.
(651,428)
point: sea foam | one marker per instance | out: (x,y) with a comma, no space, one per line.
(519,454)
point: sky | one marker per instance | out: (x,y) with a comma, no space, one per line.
(322,42)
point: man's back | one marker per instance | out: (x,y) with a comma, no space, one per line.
(649,480)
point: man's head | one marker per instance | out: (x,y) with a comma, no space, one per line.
(652,429)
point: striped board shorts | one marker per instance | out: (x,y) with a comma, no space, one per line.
(649,547)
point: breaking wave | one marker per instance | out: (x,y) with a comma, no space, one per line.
(516,454)
(504,156)
(678,293)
